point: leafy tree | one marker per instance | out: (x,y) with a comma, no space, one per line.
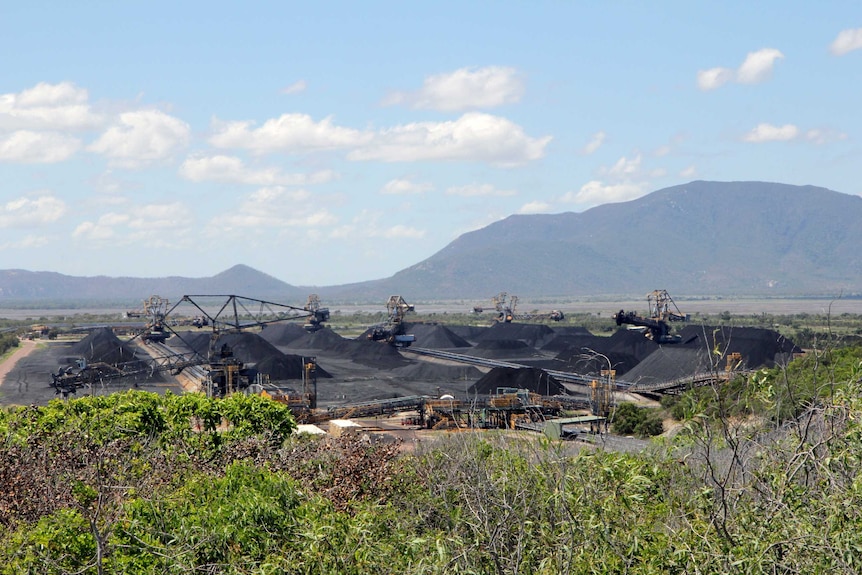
(629,419)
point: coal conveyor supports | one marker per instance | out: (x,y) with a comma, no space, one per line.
(563,376)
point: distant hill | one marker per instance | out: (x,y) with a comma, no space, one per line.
(700,238)
(21,285)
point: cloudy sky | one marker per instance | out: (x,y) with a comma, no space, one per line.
(326,143)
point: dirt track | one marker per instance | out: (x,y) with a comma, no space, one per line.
(24,349)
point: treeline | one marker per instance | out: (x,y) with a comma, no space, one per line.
(138,483)
(8,341)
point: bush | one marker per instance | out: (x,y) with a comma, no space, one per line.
(629,419)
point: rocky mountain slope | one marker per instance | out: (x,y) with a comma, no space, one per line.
(696,238)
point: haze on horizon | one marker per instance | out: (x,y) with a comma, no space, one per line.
(337,143)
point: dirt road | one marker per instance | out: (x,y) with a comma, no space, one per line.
(24,349)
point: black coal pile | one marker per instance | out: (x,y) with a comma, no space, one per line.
(252,349)
(468,332)
(282,333)
(571,330)
(503,349)
(586,363)
(284,367)
(103,345)
(435,336)
(374,354)
(564,342)
(534,335)
(532,379)
(631,343)
(759,347)
(323,340)
(670,362)
(428,371)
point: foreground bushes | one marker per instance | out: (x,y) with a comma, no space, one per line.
(125,485)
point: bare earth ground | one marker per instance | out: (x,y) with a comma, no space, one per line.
(24,349)
(25,377)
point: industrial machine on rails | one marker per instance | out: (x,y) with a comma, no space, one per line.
(392,331)
(505,310)
(663,310)
(225,372)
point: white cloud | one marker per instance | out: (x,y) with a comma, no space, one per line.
(231,169)
(366,224)
(535,207)
(399,231)
(769,133)
(289,133)
(465,88)
(757,67)
(102,229)
(688,172)
(28,212)
(472,137)
(403,187)
(478,190)
(295,88)
(624,180)
(595,192)
(271,208)
(819,136)
(37,147)
(46,106)
(662,151)
(595,143)
(141,137)
(846,41)
(27,242)
(713,78)
(623,168)
(161,225)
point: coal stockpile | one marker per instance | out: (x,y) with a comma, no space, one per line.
(503,349)
(428,371)
(759,347)
(323,339)
(250,348)
(534,335)
(586,363)
(374,354)
(571,330)
(668,363)
(564,342)
(532,379)
(285,367)
(630,342)
(104,346)
(468,332)
(435,336)
(282,333)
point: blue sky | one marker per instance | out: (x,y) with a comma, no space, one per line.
(327,143)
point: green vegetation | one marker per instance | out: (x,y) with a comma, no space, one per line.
(629,419)
(8,341)
(760,476)
(138,483)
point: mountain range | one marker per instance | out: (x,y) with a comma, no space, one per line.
(699,238)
